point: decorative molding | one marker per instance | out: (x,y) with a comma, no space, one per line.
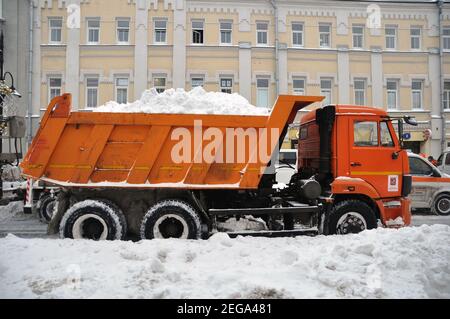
(45,75)
(263,74)
(84,73)
(364,76)
(304,75)
(227,73)
(119,72)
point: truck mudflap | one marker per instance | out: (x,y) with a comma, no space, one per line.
(395,212)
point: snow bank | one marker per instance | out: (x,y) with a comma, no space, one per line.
(384,263)
(8,212)
(196,101)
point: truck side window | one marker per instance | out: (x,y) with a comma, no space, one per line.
(386,138)
(447,159)
(419,167)
(439,161)
(365,133)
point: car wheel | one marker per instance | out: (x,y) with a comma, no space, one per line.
(442,205)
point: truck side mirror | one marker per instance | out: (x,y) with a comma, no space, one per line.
(410,120)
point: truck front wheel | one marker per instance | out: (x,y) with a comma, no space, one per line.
(171,219)
(93,219)
(351,216)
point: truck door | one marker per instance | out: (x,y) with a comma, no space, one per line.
(373,156)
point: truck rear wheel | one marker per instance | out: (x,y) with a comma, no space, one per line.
(351,216)
(93,219)
(171,219)
(46,205)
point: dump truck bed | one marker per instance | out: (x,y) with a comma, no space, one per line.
(96,149)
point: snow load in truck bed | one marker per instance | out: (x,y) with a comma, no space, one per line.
(196,101)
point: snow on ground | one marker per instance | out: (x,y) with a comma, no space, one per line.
(10,211)
(196,101)
(412,262)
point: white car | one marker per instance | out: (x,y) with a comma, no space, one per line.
(430,186)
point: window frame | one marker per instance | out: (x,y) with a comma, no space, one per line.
(396,91)
(357,121)
(264,88)
(361,35)
(121,87)
(50,29)
(159,88)
(226,88)
(363,90)
(91,87)
(323,24)
(266,31)
(302,33)
(420,91)
(88,29)
(230,31)
(197,77)
(395,36)
(158,29)
(324,90)
(193,31)
(446,96)
(118,29)
(299,91)
(419,37)
(446,37)
(50,87)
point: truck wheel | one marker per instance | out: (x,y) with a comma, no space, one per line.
(93,219)
(46,205)
(171,219)
(351,216)
(441,205)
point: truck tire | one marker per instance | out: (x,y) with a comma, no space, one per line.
(93,219)
(351,216)
(46,206)
(441,205)
(171,219)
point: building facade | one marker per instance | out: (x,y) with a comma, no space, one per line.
(385,54)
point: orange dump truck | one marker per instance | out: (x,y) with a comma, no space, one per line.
(137,175)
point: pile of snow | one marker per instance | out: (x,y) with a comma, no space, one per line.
(410,262)
(196,101)
(10,211)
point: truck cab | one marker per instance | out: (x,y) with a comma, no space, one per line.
(443,162)
(354,153)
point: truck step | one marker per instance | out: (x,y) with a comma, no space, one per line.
(276,233)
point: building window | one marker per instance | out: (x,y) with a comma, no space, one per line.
(359,86)
(415,33)
(392,94)
(391,37)
(197,31)
(298,86)
(197,81)
(226,85)
(225,32)
(262,33)
(325,90)
(324,35)
(262,92)
(55,27)
(358,36)
(297,34)
(416,93)
(54,87)
(123,30)
(160,26)
(93,31)
(446,37)
(92,92)
(447,95)
(122,90)
(159,83)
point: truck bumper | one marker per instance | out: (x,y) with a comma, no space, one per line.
(392,209)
